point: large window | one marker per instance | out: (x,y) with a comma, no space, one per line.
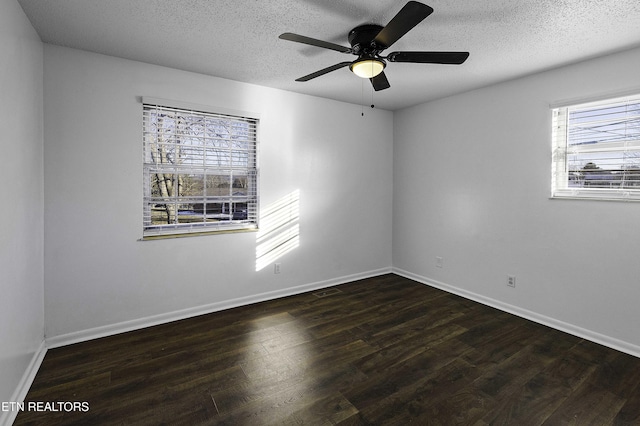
(596,150)
(200,171)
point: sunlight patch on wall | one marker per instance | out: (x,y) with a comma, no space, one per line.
(279,229)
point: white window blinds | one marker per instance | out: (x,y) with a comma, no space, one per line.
(200,171)
(596,150)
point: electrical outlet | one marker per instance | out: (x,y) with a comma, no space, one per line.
(276,268)
(511,280)
(439,262)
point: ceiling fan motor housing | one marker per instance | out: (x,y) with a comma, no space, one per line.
(361,39)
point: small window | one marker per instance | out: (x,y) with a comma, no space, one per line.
(200,171)
(596,150)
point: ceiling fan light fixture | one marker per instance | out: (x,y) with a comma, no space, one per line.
(367,67)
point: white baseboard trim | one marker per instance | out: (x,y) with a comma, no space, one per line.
(8,417)
(122,327)
(591,335)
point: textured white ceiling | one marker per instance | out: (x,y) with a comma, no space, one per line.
(238,39)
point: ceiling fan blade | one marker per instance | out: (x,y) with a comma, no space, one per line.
(454,58)
(314,42)
(380,82)
(409,16)
(324,71)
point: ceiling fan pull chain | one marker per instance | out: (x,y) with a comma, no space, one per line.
(362,98)
(372,97)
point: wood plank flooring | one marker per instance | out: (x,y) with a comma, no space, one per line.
(380,351)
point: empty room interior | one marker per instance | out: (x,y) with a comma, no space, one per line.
(480,189)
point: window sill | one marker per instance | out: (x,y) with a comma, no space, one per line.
(196,234)
(596,195)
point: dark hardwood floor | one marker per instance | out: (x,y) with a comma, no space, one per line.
(381,351)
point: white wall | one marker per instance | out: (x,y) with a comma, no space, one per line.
(97,273)
(472,184)
(21,227)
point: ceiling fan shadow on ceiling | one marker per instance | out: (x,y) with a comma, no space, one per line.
(369,40)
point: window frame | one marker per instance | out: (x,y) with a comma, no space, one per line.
(237,162)
(561,150)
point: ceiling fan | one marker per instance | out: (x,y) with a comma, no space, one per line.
(369,40)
